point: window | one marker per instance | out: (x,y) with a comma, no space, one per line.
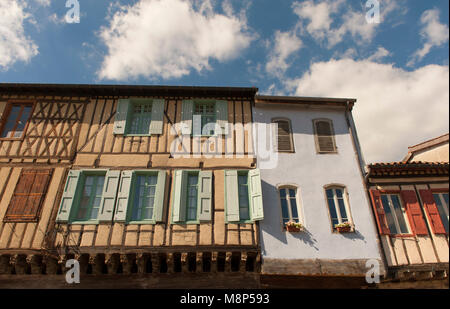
(324,136)
(28,196)
(285,141)
(15,120)
(92,190)
(395,213)
(441,200)
(289,210)
(243,196)
(139,117)
(204,119)
(192,196)
(338,205)
(144,197)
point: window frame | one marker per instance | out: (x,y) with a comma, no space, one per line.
(133,102)
(316,136)
(131,201)
(6,113)
(404,213)
(204,101)
(79,193)
(440,193)
(297,200)
(291,135)
(184,189)
(346,199)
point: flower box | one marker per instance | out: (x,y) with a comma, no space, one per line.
(345,227)
(293,227)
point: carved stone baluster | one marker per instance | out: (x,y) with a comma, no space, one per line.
(243,262)
(199,262)
(214,262)
(170,263)
(228,261)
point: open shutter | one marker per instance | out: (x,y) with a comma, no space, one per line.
(123,196)
(222,115)
(179,197)
(204,195)
(159,196)
(186,116)
(156,125)
(380,215)
(256,201)
(431,209)
(68,197)
(121,116)
(414,212)
(231,196)
(109,196)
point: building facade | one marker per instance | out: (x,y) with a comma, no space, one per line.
(316,180)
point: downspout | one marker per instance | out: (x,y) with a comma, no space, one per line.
(365,179)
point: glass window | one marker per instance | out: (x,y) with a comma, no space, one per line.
(90,197)
(192,197)
(289,211)
(441,200)
(16,121)
(338,206)
(244,213)
(141,117)
(144,197)
(395,214)
(207,114)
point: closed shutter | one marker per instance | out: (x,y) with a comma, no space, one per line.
(414,212)
(179,197)
(284,136)
(380,215)
(324,136)
(231,196)
(121,116)
(255,192)
(204,195)
(109,196)
(123,196)
(28,195)
(433,213)
(186,116)
(69,195)
(222,115)
(157,123)
(159,196)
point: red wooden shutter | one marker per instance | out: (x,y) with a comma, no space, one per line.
(414,212)
(28,195)
(431,209)
(379,212)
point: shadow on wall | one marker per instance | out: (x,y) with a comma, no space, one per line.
(272,224)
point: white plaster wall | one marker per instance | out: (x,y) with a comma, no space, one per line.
(311,172)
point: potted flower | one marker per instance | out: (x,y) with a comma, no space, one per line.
(345,227)
(294,227)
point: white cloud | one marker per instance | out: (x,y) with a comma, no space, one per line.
(43,2)
(379,54)
(320,19)
(285,44)
(169,39)
(433,33)
(14,44)
(395,108)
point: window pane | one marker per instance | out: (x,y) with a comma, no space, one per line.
(284,209)
(283,193)
(329,193)
(332,207)
(442,209)
(294,207)
(11,122)
(399,214)
(342,210)
(389,215)
(22,121)
(192,197)
(244,213)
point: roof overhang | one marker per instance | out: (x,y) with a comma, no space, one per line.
(306,101)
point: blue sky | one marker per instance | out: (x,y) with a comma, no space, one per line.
(397,68)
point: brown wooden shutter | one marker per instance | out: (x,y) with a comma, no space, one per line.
(431,209)
(284,136)
(325,139)
(379,212)
(414,212)
(28,195)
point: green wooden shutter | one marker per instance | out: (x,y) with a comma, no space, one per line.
(204,195)
(156,125)
(109,196)
(222,115)
(121,116)
(255,191)
(231,196)
(186,116)
(179,197)
(123,196)
(68,198)
(159,196)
